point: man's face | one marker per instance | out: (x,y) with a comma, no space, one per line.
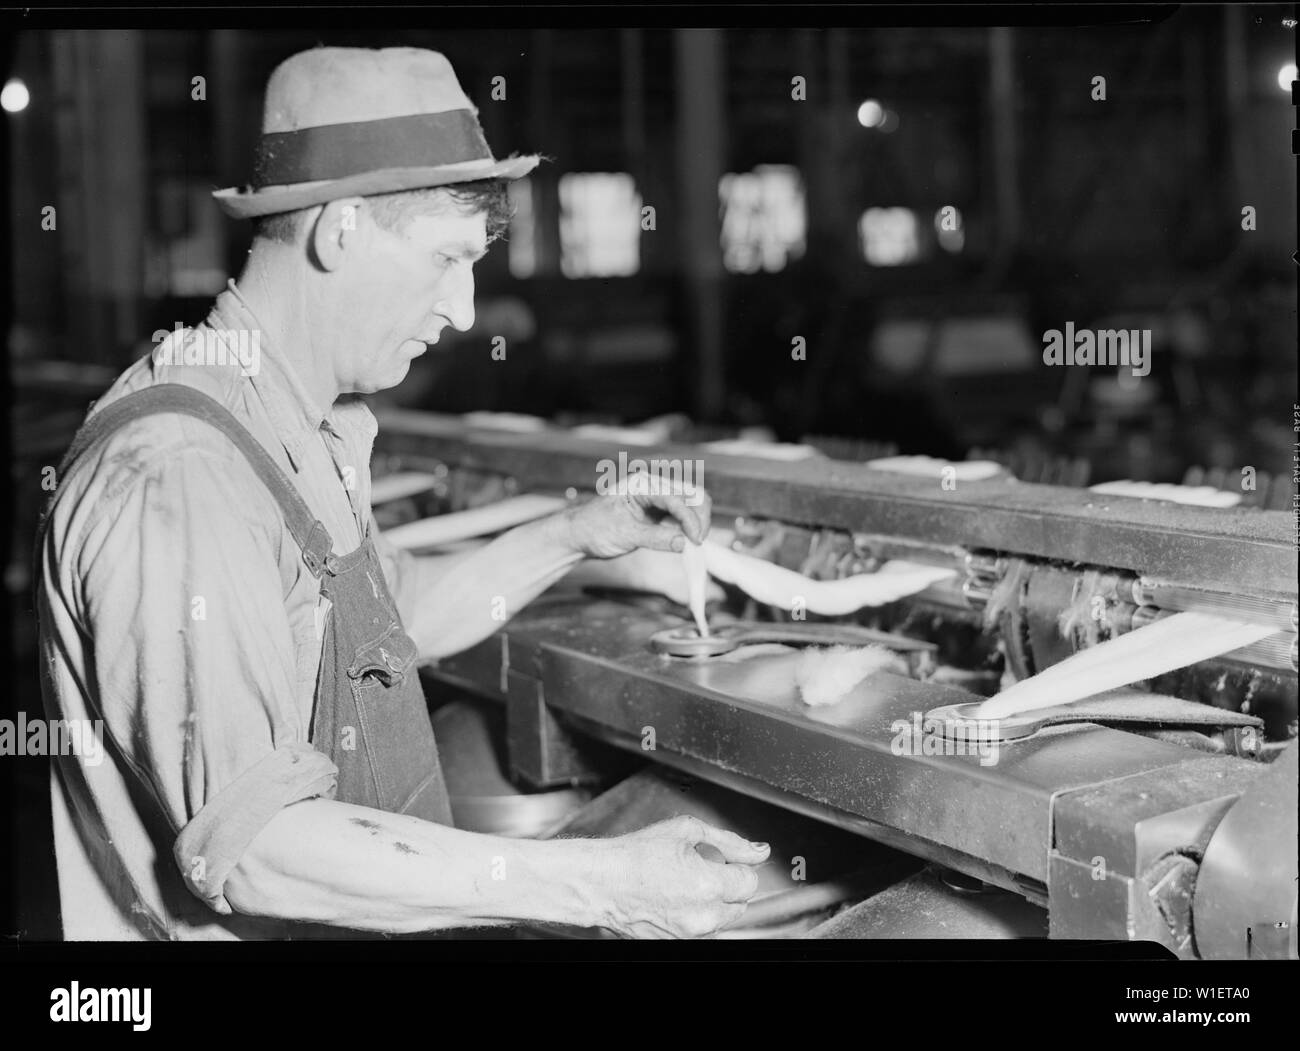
(400,290)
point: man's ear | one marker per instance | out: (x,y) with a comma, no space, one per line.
(336,228)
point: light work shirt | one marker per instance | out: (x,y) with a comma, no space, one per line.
(176,607)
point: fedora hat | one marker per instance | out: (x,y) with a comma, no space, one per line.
(350,121)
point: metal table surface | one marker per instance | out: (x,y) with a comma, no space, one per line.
(742,718)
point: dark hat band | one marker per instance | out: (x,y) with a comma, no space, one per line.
(335,151)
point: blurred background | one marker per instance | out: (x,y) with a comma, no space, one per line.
(774,218)
(934,202)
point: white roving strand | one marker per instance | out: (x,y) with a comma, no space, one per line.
(824,676)
(777,586)
(1163,646)
(400,484)
(929,467)
(480,521)
(697,582)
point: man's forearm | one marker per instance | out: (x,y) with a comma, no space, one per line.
(465,597)
(323,861)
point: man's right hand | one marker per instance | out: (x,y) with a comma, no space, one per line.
(662,888)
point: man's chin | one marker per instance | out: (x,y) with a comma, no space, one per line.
(374,384)
(397,375)
(401,365)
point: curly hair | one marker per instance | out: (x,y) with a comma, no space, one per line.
(394,211)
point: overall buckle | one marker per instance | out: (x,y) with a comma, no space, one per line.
(317,551)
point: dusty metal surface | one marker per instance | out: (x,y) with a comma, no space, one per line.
(925,906)
(1131,824)
(857,756)
(1231,549)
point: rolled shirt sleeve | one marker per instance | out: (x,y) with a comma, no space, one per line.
(182,592)
(210,846)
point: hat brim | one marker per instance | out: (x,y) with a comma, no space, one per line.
(270,200)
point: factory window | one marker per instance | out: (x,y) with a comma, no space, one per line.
(600,224)
(763,218)
(889,236)
(522,238)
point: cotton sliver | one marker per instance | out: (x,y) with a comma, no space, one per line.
(479,521)
(775,585)
(1153,649)
(825,675)
(695,566)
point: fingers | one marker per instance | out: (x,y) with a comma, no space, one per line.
(693,521)
(681,892)
(739,883)
(665,536)
(703,508)
(735,849)
(737,854)
(686,518)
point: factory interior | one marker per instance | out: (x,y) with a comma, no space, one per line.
(828,266)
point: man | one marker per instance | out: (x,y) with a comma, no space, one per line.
(212,586)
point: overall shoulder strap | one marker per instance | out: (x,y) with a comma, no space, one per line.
(307,530)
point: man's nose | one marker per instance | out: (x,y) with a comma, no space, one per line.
(457,306)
